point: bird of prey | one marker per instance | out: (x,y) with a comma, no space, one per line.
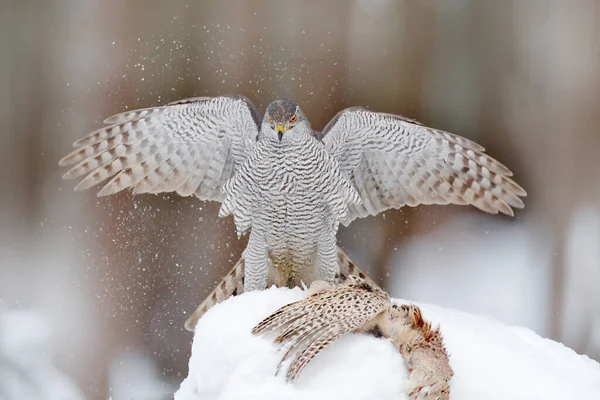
(308,326)
(285,184)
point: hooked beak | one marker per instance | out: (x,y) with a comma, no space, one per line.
(280,131)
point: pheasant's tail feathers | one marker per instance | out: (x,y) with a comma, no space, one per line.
(311,349)
(303,330)
(231,285)
(279,318)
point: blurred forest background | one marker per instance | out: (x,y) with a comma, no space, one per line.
(106,284)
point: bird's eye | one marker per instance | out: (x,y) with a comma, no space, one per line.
(270,120)
(293,119)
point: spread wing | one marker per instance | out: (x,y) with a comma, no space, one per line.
(394,161)
(192,146)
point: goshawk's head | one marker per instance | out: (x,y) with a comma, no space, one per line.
(284,117)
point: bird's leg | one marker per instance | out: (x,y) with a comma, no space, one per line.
(327,264)
(231,285)
(256,263)
(421,347)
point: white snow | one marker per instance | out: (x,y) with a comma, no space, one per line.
(132,375)
(490,360)
(27,370)
(501,269)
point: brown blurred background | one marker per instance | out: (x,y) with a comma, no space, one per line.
(116,277)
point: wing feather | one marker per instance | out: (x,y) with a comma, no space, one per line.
(192,146)
(393,161)
(308,326)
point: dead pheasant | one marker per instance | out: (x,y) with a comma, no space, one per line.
(308,326)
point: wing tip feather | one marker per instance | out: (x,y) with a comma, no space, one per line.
(64,162)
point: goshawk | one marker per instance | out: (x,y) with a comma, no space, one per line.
(285,184)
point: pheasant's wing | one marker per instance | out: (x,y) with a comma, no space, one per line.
(394,161)
(312,324)
(192,146)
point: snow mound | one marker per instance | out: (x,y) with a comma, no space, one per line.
(490,360)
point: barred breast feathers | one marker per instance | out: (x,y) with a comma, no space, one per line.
(323,176)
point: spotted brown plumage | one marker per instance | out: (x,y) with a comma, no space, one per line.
(307,327)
